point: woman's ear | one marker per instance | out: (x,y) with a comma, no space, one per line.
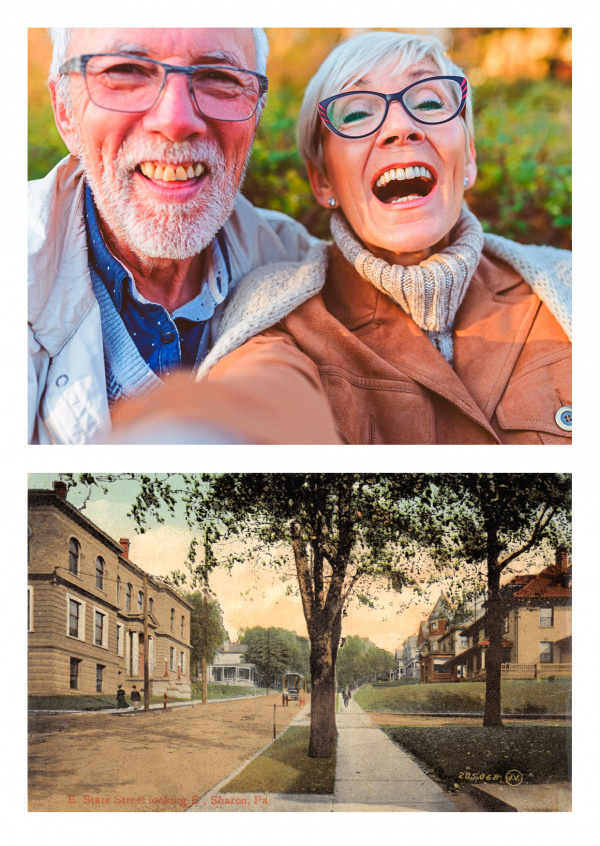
(320,185)
(470,164)
(64,120)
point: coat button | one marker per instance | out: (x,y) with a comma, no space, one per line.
(564,418)
(168,337)
(62,380)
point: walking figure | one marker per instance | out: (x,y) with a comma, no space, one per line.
(346,695)
(121,701)
(135,698)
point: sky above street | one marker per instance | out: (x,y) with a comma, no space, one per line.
(253,593)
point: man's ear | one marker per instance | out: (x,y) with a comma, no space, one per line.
(470,164)
(64,120)
(320,185)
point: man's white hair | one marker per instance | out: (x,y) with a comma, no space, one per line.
(61,40)
(357,57)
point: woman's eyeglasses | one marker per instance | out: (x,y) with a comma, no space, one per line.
(356,114)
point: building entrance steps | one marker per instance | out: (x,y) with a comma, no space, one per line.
(373,774)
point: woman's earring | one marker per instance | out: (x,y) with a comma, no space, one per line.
(332,202)
(465,181)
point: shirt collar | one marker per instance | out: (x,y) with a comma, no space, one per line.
(116,277)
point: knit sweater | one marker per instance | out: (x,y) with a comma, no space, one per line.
(270,293)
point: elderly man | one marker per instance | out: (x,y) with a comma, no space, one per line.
(137,237)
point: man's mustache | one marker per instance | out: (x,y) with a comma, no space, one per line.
(133,154)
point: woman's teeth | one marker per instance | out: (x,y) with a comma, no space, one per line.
(403,173)
(171,173)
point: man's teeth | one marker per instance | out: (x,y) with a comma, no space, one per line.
(403,173)
(171,173)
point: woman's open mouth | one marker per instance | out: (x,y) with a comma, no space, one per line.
(402,185)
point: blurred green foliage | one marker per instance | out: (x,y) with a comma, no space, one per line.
(523,142)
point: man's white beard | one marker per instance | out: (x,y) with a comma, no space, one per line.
(156,228)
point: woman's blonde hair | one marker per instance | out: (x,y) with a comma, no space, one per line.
(357,57)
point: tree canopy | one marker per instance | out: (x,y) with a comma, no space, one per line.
(276,651)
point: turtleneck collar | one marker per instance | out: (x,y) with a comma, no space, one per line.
(430,292)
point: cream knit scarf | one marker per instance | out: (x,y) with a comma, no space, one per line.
(430,292)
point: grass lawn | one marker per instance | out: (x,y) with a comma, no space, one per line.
(518,697)
(107,701)
(463,754)
(221,691)
(99,702)
(286,768)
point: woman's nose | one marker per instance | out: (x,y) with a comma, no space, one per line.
(174,114)
(399,128)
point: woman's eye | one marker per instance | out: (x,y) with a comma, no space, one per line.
(352,117)
(429,105)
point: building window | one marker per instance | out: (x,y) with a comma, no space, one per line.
(29,608)
(182,625)
(140,600)
(434,626)
(74,673)
(99,573)
(118,589)
(229,672)
(150,604)
(545,652)
(546,618)
(217,674)
(99,675)
(505,625)
(244,674)
(182,662)
(172,619)
(75,619)
(172,658)
(99,628)
(128,598)
(119,639)
(74,556)
(464,641)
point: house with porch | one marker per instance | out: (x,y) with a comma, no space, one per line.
(229,667)
(536,639)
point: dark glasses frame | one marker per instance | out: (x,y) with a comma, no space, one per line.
(78,64)
(398,97)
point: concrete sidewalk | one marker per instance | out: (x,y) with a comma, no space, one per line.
(372,774)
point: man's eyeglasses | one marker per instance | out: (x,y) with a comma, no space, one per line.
(122,82)
(356,114)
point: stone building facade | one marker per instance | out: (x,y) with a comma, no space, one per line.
(86,610)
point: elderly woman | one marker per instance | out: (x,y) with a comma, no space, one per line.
(419,328)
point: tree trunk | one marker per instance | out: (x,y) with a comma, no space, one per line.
(494,624)
(323,732)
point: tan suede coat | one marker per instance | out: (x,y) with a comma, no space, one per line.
(387,384)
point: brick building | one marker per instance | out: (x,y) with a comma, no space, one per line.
(85,609)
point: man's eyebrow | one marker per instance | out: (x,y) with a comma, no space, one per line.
(217,57)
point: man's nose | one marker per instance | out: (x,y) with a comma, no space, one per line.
(399,127)
(175,115)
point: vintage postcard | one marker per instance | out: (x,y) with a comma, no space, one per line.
(299,642)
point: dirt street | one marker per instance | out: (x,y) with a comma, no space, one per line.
(144,762)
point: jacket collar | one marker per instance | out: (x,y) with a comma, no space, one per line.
(497,306)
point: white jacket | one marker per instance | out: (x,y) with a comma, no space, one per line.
(66,378)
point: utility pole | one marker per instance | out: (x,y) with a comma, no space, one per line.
(268,660)
(204,626)
(146,648)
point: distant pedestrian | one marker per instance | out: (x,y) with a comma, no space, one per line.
(121,701)
(346,695)
(135,698)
